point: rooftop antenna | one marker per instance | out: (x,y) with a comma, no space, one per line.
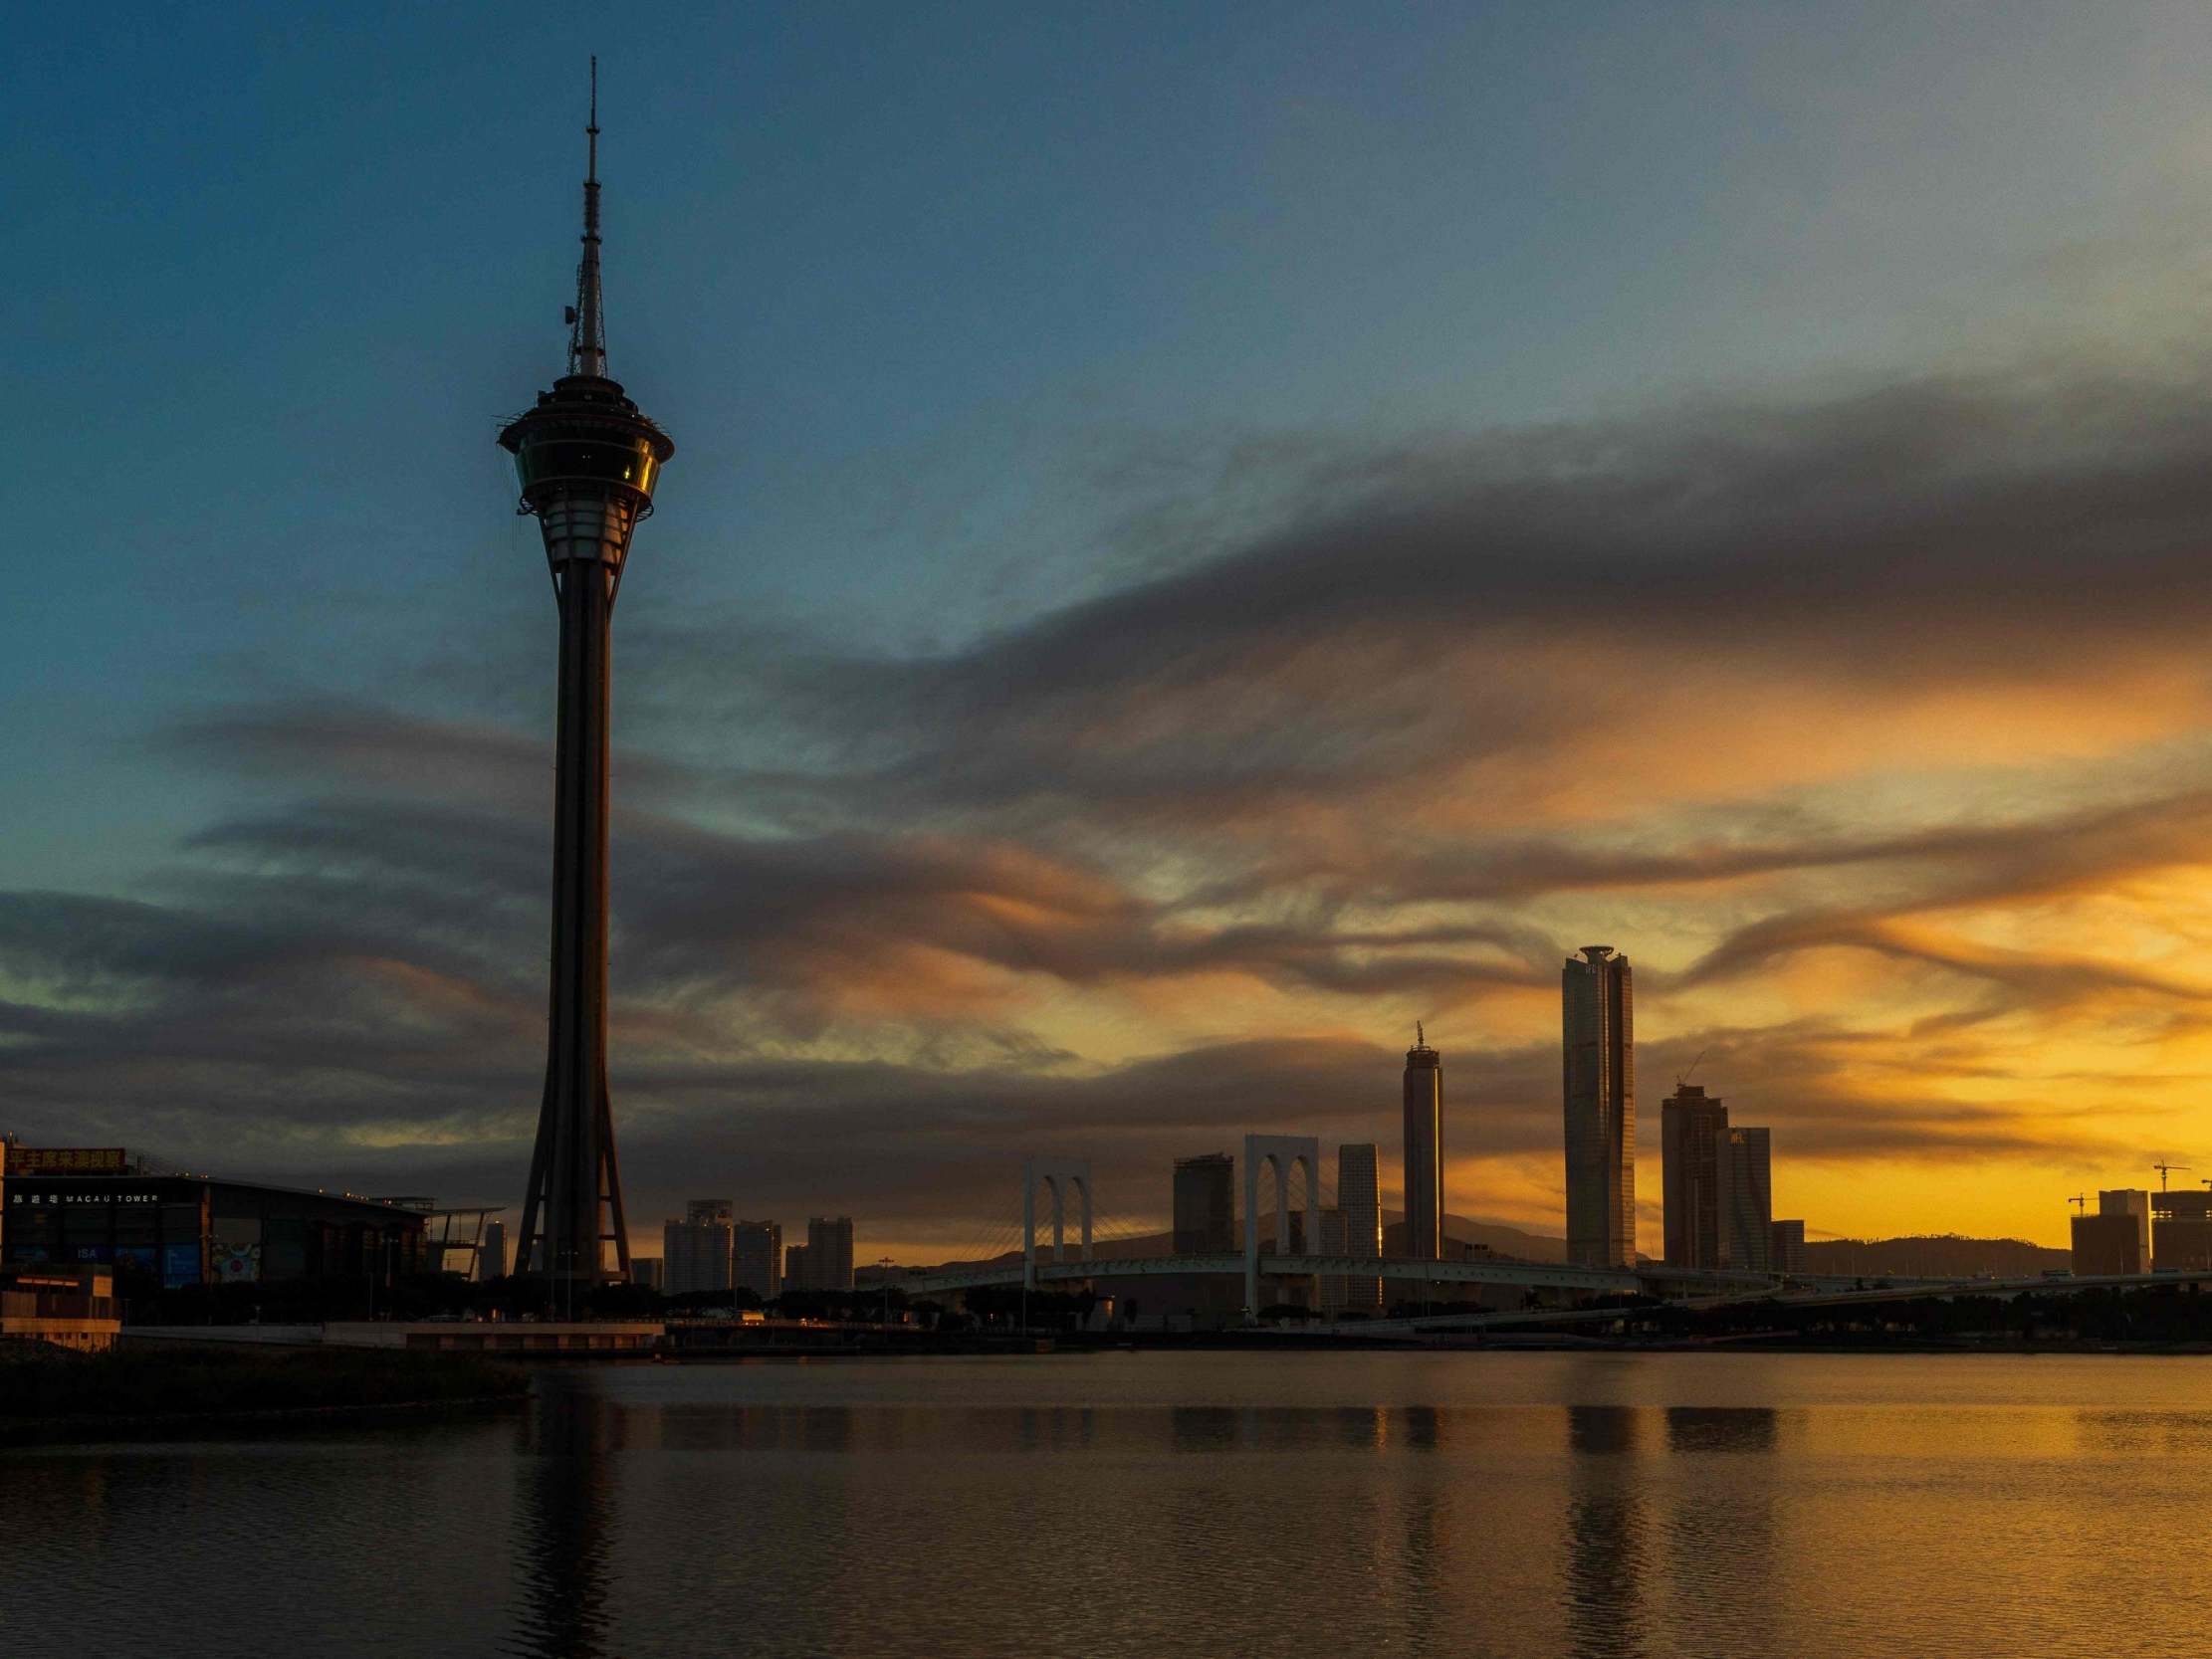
(587,338)
(1421,1037)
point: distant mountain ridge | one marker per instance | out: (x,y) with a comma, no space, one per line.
(1492,1235)
(1936,1255)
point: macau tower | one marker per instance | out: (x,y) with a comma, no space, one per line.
(587,461)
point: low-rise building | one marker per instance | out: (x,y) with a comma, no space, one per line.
(72,1308)
(166,1231)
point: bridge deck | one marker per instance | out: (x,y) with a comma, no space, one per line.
(1817,1295)
(1516,1275)
(1694,1288)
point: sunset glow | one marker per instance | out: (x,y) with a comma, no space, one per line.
(1157,620)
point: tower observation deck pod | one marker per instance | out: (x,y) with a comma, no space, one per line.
(587,462)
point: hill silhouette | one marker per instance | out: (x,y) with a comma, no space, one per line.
(1934,1254)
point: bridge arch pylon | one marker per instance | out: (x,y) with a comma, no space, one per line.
(1286,1152)
(1057,1174)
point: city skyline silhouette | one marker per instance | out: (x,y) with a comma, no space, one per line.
(1205,547)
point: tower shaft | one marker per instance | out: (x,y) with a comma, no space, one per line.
(576,1185)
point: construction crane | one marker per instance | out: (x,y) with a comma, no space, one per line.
(1681,1078)
(2080,1201)
(2163,1166)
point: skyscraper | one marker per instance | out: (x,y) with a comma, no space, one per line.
(1788,1253)
(1749,1216)
(1598,1043)
(1693,1165)
(757,1258)
(491,1259)
(2133,1203)
(1359,1200)
(1206,1205)
(695,1252)
(829,1253)
(1335,1241)
(587,461)
(1423,1149)
(2116,1239)
(2181,1231)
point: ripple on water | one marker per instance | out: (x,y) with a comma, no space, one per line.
(1139,1504)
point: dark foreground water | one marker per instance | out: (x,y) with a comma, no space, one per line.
(1146,1504)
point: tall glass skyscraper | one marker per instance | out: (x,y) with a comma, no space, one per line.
(1424,1150)
(1597,1055)
(1750,1202)
(1358,1206)
(1693,1176)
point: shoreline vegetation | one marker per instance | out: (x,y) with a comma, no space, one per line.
(49,1394)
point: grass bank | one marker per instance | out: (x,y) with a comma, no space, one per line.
(67,1396)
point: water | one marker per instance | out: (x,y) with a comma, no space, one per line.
(1127,1504)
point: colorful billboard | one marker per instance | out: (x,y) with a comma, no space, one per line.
(236,1264)
(64,1161)
(180,1265)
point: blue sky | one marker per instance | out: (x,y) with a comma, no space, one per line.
(960,315)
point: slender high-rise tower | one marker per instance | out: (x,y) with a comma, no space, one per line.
(587,461)
(1424,1150)
(1693,1177)
(1597,1055)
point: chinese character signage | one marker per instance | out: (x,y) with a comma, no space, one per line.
(64,1161)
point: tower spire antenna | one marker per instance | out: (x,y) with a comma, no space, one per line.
(587,338)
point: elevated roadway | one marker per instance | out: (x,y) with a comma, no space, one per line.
(1648,1280)
(1797,1293)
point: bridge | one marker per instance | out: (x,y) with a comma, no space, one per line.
(1068,1182)
(1597,1281)
(1068,1263)
(1826,1291)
